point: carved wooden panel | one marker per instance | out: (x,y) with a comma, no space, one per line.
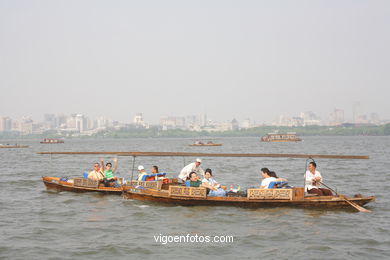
(181,191)
(270,194)
(147,184)
(81,182)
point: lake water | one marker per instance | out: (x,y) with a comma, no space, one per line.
(40,224)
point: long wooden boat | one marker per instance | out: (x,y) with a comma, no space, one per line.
(14,146)
(255,198)
(78,185)
(86,185)
(276,137)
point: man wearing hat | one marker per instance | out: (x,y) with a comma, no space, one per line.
(192,167)
(141,172)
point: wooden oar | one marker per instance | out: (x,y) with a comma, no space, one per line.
(328,156)
(353,204)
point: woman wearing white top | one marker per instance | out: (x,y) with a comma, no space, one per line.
(215,188)
(312,181)
(267,179)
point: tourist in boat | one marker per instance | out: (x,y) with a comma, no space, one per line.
(96,173)
(154,169)
(267,178)
(109,178)
(279,181)
(192,167)
(141,172)
(313,181)
(194,180)
(215,187)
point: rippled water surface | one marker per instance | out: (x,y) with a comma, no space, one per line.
(40,224)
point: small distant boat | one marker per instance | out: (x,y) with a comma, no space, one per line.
(13,146)
(52,141)
(277,137)
(210,143)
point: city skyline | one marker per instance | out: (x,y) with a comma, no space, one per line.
(83,124)
(348,116)
(255,60)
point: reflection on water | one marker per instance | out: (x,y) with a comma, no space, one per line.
(107,226)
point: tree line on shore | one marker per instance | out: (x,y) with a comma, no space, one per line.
(343,130)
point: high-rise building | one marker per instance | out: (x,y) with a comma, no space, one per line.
(235,125)
(138,119)
(337,117)
(246,123)
(190,121)
(50,121)
(5,124)
(202,119)
(81,123)
(26,126)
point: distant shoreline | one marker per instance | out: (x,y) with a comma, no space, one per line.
(345,130)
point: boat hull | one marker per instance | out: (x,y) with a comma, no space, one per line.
(54,183)
(274,141)
(319,202)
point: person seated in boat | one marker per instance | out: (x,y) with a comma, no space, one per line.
(267,179)
(154,169)
(141,172)
(193,180)
(109,179)
(278,183)
(215,187)
(210,142)
(313,180)
(158,176)
(192,167)
(96,174)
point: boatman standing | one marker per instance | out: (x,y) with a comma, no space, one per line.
(192,167)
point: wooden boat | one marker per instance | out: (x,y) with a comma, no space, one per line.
(172,193)
(255,198)
(52,141)
(276,137)
(86,185)
(78,185)
(13,146)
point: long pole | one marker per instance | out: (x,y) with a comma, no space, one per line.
(353,204)
(328,156)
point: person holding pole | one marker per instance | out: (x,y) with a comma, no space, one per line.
(313,181)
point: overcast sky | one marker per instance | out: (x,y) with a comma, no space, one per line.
(255,59)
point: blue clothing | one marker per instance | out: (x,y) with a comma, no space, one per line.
(217,193)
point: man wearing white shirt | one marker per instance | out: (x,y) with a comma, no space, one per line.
(192,167)
(313,179)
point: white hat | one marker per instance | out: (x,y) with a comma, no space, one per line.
(140,167)
(198,160)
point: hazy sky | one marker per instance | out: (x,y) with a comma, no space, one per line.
(256,59)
